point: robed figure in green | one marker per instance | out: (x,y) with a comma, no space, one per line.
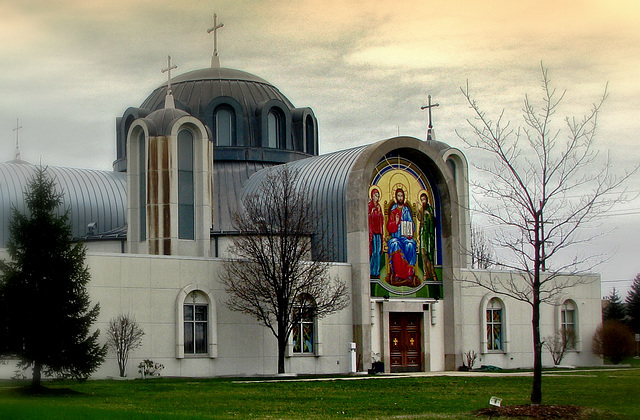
(428,238)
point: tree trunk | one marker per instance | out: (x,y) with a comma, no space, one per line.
(282,347)
(536,391)
(122,364)
(37,375)
(282,344)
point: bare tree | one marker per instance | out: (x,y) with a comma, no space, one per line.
(559,343)
(482,255)
(124,334)
(276,281)
(541,174)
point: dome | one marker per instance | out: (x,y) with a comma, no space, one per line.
(249,118)
(163,119)
(196,89)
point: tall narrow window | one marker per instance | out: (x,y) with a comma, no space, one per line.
(186,205)
(223,126)
(142,186)
(494,325)
(196,326)
(275,129)
(304,326)
(310,135)
(568,324)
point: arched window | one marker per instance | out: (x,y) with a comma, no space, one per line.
(196,323)
(275,129)
(568,324)
(310,134)
(186,204)
(142,186)
(304,331)
(223,125)
(452,167)
(495,324)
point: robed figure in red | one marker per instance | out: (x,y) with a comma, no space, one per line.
(376,226)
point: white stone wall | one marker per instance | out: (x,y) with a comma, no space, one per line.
(518,352)
(147,286)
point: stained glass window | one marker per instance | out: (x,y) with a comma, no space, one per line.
(304,326)
(494,325)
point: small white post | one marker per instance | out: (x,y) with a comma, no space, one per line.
(353,358)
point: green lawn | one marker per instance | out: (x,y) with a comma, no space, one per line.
(612,393)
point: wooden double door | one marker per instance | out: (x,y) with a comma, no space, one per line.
(405,336)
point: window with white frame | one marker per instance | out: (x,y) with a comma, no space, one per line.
(303,331)
(568,323)
(495,325)
(196,324)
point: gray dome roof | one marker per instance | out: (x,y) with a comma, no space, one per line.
(92,196)
(218,74)
(163,119)
(196,89)
(250,100)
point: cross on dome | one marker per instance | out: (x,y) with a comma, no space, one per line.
(430,133)
(215,60)
(169,103)
(17,130)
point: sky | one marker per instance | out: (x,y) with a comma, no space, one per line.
(68,68)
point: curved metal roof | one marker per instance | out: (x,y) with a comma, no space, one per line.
(228,180)
(92,196)
(220,73)
(164,118)
(326,177)
(196,89)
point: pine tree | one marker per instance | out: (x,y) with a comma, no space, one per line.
(46,314)
(633,305)
(615,309)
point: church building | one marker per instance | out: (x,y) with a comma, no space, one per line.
(394,215)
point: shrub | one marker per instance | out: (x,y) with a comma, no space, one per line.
(614,341)
(149,368)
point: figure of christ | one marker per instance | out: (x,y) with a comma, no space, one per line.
(376,225)
(402,246)
(428,238)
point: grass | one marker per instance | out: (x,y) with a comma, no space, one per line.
(611,393)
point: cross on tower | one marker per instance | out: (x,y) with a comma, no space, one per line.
(215,60)
(168,70)
(430,133)
(17,130)
(168,102)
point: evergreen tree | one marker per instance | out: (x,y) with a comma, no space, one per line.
(633,305)
(615,309)
(46,314)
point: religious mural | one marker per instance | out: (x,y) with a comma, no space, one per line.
(404,238)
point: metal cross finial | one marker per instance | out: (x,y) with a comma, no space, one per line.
(168,70)
(17,130)
(430,135)
(215,60)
